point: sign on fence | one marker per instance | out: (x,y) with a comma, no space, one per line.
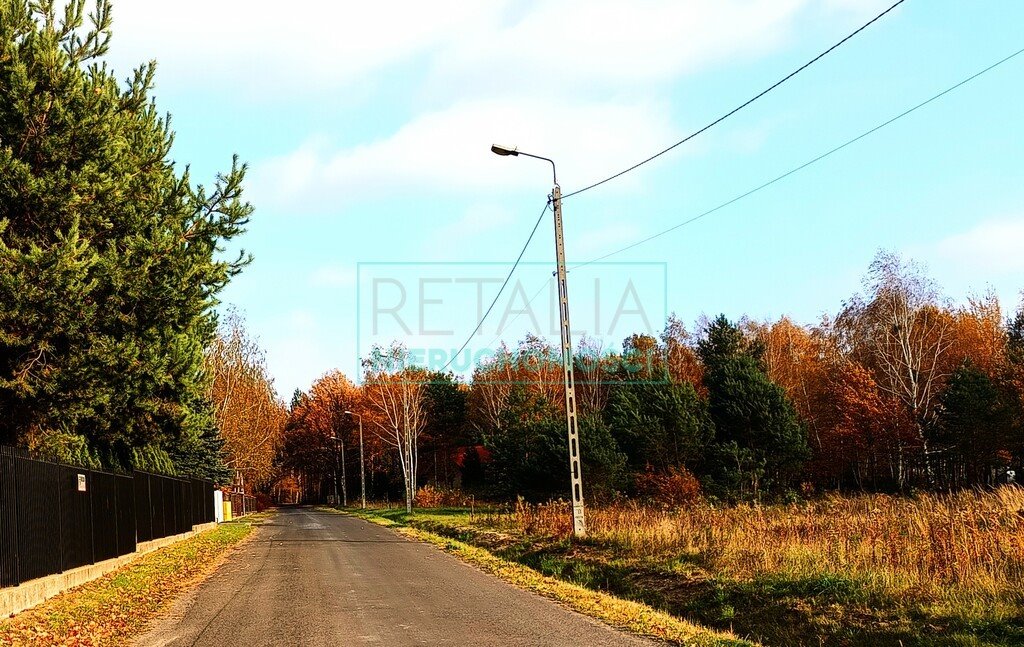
(81,482)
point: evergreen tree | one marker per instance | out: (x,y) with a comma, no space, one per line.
(759,439)
(1015,338)
(110,258)
(529,454)
(977,429)
(446,411)
(659,423)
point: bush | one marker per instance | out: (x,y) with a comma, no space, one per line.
(429,496)
(673,489)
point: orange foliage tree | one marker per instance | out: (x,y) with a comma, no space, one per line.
(249,414)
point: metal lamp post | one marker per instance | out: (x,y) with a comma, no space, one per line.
(579,525)
(362,469)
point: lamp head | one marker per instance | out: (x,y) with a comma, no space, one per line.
(504,150)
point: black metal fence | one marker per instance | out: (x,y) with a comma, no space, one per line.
(57,517)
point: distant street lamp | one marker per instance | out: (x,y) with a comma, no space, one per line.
(362,468)
(579,525)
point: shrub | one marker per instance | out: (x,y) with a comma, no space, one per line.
(430,496)
(675,488)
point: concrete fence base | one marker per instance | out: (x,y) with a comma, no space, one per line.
(28,594)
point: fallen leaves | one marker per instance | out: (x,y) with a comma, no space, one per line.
(114,608)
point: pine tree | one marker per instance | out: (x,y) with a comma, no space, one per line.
(110,258)
(759,439)
(977,428)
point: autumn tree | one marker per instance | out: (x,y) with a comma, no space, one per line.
(977,335)
(247,410)
(680,355)
(319,436)
(492,383)
(901,332)
(862,431)
(592,368)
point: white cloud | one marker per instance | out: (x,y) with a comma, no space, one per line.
(565,46)
(991,247)
(268,48)
(579,80)
(449,151)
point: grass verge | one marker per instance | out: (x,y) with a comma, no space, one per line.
(629,615)
(113,609)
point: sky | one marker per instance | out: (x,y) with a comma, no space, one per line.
(381,213)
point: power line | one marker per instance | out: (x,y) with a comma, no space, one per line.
(805,164)
(761,186)
(502,288)
(739,107)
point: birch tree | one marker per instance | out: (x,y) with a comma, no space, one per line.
(901,331)
(492,386)
(395,390)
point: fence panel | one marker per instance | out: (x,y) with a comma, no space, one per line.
(39,519)
(103,493)
(75,517)
(8,519)
(187,519)
(143,506)
(156,505)
(179,507)
(211,513)
(170,527)
(124,489)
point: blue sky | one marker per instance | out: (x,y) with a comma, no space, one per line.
(368,128)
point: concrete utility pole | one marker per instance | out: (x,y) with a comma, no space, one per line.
(362,465)
(579,525)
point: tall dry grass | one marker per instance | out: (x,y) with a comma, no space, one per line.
(936,546)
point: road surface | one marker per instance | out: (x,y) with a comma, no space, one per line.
(316,578)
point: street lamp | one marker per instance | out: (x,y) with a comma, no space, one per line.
(579,525)
(362,469)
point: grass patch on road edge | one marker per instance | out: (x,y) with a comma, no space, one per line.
(113,609)
(624,614)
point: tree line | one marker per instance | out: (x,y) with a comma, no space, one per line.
(900,390)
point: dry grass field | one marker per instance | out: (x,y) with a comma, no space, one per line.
(858,570)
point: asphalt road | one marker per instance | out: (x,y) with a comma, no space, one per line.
(316,578)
